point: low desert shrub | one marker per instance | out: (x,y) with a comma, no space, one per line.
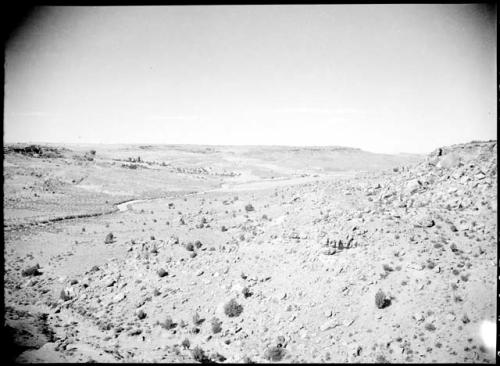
(31,271)
(185,343)
(246,292)
(387,268)
(249,208)
(109,238)
(64,295)
(274,353)
(430,327)
(232,308)
(216,325)
(162,272)
(168,323)
(381,300)
(189,247)
(197,319)
(199,354)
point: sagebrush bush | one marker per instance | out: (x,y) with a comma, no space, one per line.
(168,323)
(196,319)
(162,272)
(274,353)
(387,268)
(249,208)
(232,308)
(189,246)
(109,238)
(64,295)
(246,292)
(430,327)
(31,271)
(216,325)
(199,354)
(185,343)
(197,244)
(381,300)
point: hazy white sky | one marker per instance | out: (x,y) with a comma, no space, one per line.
(384,78)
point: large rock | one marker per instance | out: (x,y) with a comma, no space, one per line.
(449,161)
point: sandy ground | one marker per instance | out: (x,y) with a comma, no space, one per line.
(302,251)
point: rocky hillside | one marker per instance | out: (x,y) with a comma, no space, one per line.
(393,266)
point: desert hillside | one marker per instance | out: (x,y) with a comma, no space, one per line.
(238,254)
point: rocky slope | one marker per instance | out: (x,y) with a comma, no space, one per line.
(391,266)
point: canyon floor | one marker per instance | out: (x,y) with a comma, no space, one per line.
(148,253)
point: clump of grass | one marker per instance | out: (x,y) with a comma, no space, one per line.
(274,353)
(216,325)
(109,238)
(199,354)
(381,300)
(232,308)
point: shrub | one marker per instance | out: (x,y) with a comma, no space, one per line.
(168,323)
(274,353)
(381,300)
(199,354)
(162,272)
(64,295)
(223,228)
(190,247)
(246,292)
(141,314)
(31,271)
(197,244)
(196,319)
(109,238)
(216,325)
(232,308)
(185,343)
(387,268)
(430,327)
(249,208)
(217,357)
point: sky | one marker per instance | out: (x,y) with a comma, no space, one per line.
(386,78)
